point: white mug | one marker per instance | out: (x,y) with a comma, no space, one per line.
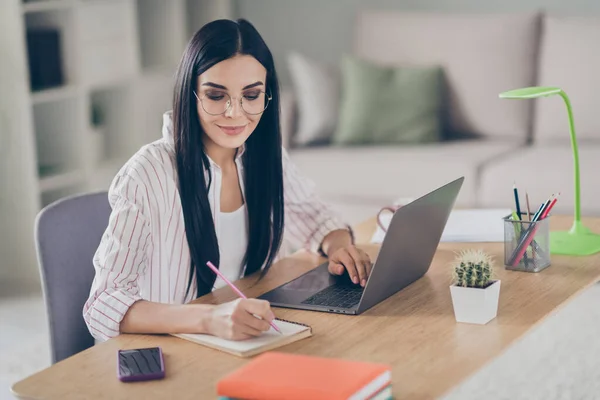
(397,204)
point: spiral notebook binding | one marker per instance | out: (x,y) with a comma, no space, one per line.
(292,322)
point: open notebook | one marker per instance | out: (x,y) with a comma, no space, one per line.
(271,339)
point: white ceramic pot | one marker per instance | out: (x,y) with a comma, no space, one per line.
(475,306)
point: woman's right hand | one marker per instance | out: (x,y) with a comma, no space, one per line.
(237,320)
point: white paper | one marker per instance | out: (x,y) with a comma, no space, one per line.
(287,329)
(474,225)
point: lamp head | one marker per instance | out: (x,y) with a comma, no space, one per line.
(531,92)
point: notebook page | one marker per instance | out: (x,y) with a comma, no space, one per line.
(476,225)
(268,337)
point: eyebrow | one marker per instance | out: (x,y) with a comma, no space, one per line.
(217,86)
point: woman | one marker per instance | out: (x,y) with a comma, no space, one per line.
(217,187)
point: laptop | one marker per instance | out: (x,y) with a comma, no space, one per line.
(405,255)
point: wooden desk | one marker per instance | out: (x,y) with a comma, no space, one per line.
(414,331)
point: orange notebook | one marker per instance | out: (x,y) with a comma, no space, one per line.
(275,375)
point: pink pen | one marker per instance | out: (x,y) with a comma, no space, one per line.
(235,289)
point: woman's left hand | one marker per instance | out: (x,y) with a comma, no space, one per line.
(354,260)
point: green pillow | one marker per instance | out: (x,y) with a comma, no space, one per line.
(385,105)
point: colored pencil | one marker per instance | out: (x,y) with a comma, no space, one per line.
(530,234)
(516,193)
(549,208)
(235,289)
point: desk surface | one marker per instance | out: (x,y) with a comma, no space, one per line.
(414,331)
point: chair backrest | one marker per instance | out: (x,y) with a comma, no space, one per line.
(67,234)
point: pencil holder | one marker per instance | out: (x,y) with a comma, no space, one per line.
(526,244)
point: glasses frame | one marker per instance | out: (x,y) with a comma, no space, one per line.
(268,96)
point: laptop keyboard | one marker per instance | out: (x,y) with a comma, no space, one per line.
(336,296)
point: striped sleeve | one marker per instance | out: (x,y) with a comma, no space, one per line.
(119,259)
(308,219)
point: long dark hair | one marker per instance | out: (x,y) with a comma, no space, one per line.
(263,178)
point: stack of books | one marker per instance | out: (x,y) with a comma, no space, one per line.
(275,375)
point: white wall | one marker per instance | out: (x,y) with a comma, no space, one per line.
(323,28)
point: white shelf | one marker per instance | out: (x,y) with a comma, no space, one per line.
(111,164)
(162,32)
(109,83)
(108,41)
(115,104)
(57,126)
(63,21)
(103,174)
(54,94)
(158,72)
(152,97)
(52,195)
(60,180)
(118,55)
(47,5)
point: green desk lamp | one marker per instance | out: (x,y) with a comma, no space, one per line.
(579,240)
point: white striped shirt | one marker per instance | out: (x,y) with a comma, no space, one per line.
(144,252)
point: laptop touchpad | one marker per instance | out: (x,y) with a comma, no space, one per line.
(313,281)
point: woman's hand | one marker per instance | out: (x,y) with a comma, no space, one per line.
(352,259)
(343,255)
(237,320)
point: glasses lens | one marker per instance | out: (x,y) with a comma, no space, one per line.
(254,102)
(215,102)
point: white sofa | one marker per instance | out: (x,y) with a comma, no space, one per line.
(522,141)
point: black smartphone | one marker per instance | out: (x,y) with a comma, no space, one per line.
(140,364)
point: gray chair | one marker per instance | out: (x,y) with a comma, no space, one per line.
(67,234)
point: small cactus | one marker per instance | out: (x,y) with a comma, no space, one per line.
(473,268)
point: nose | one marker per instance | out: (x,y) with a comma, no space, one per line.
(235,109)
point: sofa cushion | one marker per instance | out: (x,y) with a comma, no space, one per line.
(570,60)
(541,171)
(482,56)
(317,91)
(381,174)
(388,105)
(287,105)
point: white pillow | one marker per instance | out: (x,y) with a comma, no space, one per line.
(287,106)
(316,89)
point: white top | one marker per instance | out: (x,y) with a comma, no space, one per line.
(144,253)
(234,227)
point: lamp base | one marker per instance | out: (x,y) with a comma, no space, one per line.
(579,241)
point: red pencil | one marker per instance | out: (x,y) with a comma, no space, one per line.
(549,208)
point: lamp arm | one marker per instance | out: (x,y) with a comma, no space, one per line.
(575,156)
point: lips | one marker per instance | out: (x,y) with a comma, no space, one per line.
(232,130)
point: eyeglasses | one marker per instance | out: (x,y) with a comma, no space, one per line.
(215,102)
